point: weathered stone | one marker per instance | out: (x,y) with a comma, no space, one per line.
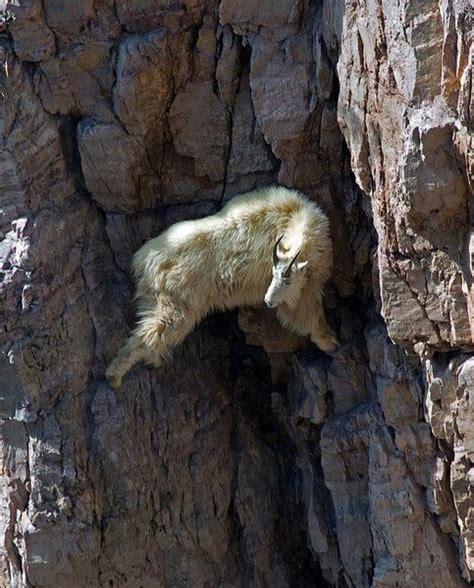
(142,87)
(451,416)
(145,15)
(357,451)
(282,110)
(112,158)
(199,125)
(248,150)
(397,109)
(34,41)
(76,80)
(278,21)
(68,17)
(228,68)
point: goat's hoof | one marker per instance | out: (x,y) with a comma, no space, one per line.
(114,381)
(329,344)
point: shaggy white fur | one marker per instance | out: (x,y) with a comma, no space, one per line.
(224,261)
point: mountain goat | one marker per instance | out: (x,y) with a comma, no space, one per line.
(271,244)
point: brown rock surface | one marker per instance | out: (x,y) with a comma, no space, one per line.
(252,458)
(405,75)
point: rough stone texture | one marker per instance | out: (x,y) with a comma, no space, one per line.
(405,110)
(405,107)
(252,458)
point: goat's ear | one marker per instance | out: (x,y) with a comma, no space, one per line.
(300,266)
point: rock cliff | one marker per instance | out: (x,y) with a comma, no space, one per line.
(252,459)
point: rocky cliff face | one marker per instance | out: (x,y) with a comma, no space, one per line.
(252,458)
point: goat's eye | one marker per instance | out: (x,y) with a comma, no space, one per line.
(287,281)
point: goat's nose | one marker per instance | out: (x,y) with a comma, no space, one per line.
(269,303)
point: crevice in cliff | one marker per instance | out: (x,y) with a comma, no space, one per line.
(253,403)
(230,130)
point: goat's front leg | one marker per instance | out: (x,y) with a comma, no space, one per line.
(321,333)
(308,318)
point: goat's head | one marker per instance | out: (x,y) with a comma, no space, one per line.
(289,277)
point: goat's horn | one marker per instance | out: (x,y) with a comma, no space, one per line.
(288,269)
(275,254)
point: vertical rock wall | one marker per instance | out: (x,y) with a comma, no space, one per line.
(405,107)
(252,458)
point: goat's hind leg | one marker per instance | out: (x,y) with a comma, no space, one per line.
(131,352)
(141,345)
(161,327)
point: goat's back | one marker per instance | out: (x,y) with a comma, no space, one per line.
(228,255)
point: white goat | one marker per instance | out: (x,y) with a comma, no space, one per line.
(224,261)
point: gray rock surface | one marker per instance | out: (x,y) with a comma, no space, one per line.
(252,458)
